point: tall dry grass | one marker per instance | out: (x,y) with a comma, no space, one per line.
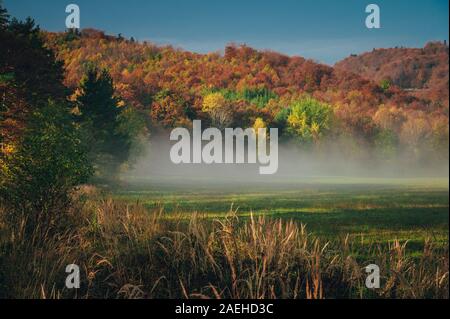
(125,251)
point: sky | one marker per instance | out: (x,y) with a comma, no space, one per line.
(324,30)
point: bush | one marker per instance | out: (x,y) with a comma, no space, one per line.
(48,163)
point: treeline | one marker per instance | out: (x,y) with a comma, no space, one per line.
(53,139)
(242,86)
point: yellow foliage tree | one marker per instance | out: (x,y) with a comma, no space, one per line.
(259,123)
(218,109)
(309,119)
(213,101)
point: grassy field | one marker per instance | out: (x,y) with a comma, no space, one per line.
(374,210)
(166,240)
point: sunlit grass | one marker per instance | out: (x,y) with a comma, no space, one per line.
(255,241)
(376,209)
(127,251)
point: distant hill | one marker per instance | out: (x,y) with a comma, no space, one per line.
(143,72)
(423,72)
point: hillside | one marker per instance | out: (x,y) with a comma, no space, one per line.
(423,71)
(142,71)
(169,87)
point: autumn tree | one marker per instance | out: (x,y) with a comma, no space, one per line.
(169,109)
(416,134)
(389,118)
(385,84)
(218,109)
(440,138)
(259,124)
(309,120)
(39,176)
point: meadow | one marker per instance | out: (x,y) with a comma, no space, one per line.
(308,240)
(374,210)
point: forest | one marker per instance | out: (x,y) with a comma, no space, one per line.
(309,102)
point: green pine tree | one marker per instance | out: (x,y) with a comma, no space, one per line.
(97,102)
(100,118)
(4,17)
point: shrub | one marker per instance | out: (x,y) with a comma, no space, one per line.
(49,162)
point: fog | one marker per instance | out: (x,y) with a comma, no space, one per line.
(295,165)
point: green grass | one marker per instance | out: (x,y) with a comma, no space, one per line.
(146,242)
(373,209)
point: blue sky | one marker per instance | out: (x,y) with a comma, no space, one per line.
(324,30)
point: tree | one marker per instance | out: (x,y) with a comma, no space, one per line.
(29,75)
(309,120)
(50,161)
(37,72)
(416,134)
(97,102)
(132,131)
(390,118)
(385,84)
(259,123)
(218,109)
(4,17)
(101,120)
(440,137)
(169,109)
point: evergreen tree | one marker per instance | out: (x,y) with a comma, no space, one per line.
(4,17)
(97,102)
(30,76)
(100,117)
